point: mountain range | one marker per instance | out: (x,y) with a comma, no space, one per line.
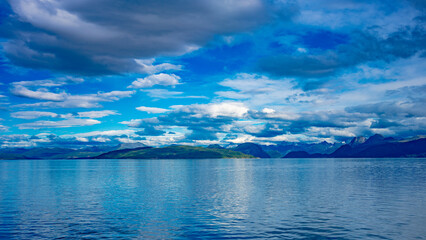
(375,146)
(173,152)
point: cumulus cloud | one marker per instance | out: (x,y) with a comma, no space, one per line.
(202,120)
(162,79)
(214,110)
(211,122)
(112,37)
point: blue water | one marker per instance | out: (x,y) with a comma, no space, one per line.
(213,199)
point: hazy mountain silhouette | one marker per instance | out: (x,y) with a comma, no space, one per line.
(252,149)
(283,148)
(374,147)
(215,146)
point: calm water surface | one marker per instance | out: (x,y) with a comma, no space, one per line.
(213,199)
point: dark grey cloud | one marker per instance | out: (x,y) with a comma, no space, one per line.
(363,46)
(150,131)
(202,127)
(272,130)
(404,116)
(105,36)
(384,123)
(201,133)
(420,4)
(412,93)
(276,126)
(392,109)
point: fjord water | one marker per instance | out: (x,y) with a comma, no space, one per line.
(216,199)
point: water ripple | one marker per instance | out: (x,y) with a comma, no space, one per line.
(213,199)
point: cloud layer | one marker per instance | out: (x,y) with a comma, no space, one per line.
(199,72)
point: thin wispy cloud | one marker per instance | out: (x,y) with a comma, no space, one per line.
(73,122)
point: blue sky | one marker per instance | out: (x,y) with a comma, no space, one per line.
(88,73)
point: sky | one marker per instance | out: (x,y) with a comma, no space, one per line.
(80,73)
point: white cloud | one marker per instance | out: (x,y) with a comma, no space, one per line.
(223,109)
(57,82)
(81,139)
(40,94)
(18,144)
(97,114)
(32,114)
(137,122)
(74,122)
(162,79)
(166,139)
(101,139)
(82,101)
(26,88)
(241,138)
(164,94)
(3,128)
(147,66)
(328,131)
(39,114)
(114,95)
(152,109)
(268,110)
(108,133)
(228,109)
(259,91)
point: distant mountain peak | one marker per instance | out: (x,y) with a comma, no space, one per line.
(376,138)
(215,146)
(252,149)
(375,147)
(130,146)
